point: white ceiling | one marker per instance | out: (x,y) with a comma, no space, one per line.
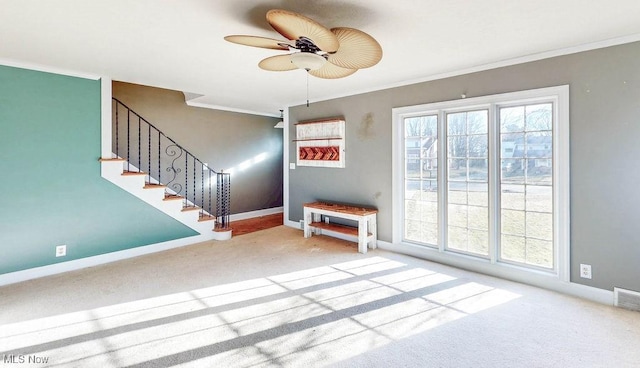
(178,44)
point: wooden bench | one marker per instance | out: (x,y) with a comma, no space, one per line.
(366,232)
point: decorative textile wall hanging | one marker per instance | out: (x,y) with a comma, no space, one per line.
(320,143)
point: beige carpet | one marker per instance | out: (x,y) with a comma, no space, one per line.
(274,299)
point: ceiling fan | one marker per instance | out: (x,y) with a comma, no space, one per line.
(322,52)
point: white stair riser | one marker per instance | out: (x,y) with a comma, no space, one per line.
(173,205)
(155,194)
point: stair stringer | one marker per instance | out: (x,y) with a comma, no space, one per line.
(112,170)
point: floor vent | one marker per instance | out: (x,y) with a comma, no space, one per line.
(626,299)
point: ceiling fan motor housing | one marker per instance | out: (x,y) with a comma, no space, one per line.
(305,44)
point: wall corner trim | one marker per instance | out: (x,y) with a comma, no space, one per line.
(105,117)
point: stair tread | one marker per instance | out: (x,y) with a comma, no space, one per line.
(206,218)
(172,197)
(220,229)
(153,186)
(133,173)
(112,159)
(190,208)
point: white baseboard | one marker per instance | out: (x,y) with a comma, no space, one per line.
(293,224)
(540,280)
(77,264)
(257,213)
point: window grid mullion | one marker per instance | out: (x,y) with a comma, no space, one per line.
(443,161)
(494,183)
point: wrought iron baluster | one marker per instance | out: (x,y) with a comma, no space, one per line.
(117,131)
(218,202)
(173,155)
(186,179)
(128,140)
(194,182)
(202,188)
(139,144)
(159,160)
(149,152)
(227,199)
(223,200)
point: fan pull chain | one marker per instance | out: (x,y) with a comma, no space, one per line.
(307,88)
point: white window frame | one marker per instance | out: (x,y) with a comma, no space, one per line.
(561,177)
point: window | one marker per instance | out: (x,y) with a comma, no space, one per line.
(467,182)
(486,178)
(526,185)
(421,184)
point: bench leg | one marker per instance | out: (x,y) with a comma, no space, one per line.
(316,217)
(373,229)
(362,236)
(307,221)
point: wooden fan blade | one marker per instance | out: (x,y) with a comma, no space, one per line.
(280,63)
(255,41)
(332,71)
(357,49)
(293,26)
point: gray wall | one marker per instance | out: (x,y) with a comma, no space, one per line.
(605,128)
(221,139)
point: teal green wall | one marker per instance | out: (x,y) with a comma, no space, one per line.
(52,192)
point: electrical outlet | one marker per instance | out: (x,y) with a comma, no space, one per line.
(326,219)
(585,271)
(61,250)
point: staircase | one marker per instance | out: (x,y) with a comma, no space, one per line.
(154,168)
